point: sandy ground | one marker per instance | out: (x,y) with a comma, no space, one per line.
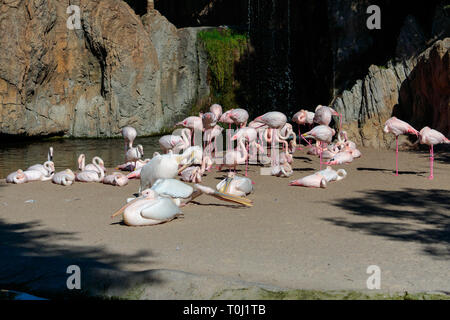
(293,237)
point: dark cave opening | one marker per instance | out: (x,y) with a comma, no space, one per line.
(139,6)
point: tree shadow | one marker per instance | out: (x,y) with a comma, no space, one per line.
(31,261)
(411,215)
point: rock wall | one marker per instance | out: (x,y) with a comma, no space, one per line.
(416,90)
(116,70)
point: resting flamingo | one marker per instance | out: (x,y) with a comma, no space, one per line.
(431,137)
(17,177)
(96,175)
(398,127)
(116,179)
(64,178)
(97,163)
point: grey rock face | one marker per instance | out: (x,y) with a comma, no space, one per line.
(90,82)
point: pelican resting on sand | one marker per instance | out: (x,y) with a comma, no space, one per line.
(235,185)
(148,209)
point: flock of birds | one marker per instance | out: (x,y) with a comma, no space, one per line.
(161,195)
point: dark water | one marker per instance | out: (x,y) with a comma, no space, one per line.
(21,155)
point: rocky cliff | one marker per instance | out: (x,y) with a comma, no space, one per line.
(117,69)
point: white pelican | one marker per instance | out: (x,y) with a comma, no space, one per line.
(235,185)
(161,166)
(182,193)
(148,209)
(65,178)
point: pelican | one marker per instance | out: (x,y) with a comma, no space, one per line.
(64,178)
(182,193)
(160,167)
(148,209)
(235,185)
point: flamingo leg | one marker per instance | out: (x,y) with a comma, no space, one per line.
(320,154)
(246,160)
(299,139)
(396,155)
(229,142)
(431,162)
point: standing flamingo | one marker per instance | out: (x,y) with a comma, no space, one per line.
(134,154)
(322,134)
(234,157)
(194,123)
(431,137)
(324,114)
(250,136)
(129,134)
(240,117)
(398,127)
(226,118)
(216,109)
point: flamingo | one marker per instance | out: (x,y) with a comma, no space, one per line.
(282,170)
(324,114)
(431,137)
(250,136)
(341,157)
(320,179)
(234,157)
(96,175)
(301,118)
(116,179)
(217,110)
(175,142)
(45,168)
(194,123)
(211,134)
(17,177)
(182,193)
(134,154)
(37,175)
(97,163)
(196,153)
(226,118)
(275,121)
(64,178)
(239,117)
(322,134)
(148,209)
(194,173)
(235,185)
(398,127)
(131,166)
(129,134)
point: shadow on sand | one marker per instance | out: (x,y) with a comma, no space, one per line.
(30,261)
(411,215)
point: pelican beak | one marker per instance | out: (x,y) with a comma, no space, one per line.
(121,210)
(179,158)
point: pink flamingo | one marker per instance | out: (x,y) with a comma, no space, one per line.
(239,117)
(275,120)
(431,137)
(226,118)
(194,123)
(324,114)
(175,142)
(234,157)
(398,127)
(249,135)
(216,109)
(323,134)
(129,134)
(300,118)
(116,179)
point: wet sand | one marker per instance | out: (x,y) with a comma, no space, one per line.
(292,237)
